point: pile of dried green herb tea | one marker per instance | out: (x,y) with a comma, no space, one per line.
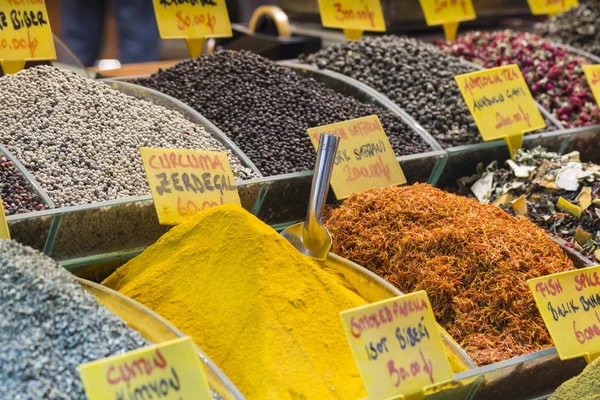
(582,387)
(473,260)
(556,192)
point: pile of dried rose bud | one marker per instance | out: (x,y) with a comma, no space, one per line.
(554,75)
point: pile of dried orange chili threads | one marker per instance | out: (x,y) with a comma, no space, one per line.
(473,260)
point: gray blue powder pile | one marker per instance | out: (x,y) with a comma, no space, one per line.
(48,326)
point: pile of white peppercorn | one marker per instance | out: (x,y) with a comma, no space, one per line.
(17,196)
(80,139)
(415,75)
(265,108)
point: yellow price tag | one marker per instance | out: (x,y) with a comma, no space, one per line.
(551,7)
(192,20)
(364,160)
(25,34)
(501,104)
(448,13)
(592,73)
(397,346)
(184,182)
(570,306)
(353,16)
(171,371)
(4,232)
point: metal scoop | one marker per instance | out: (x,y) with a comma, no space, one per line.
(310,237)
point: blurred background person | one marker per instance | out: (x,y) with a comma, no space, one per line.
(84,24)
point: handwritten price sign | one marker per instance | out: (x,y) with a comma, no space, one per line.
(25,33)
(448,13)
(570,306)
(501,104)
(184,182)
(365,159)
(438,12)
(193,20)
(551,7)
(397,346)
(592,73)
(353,16)
(170,371)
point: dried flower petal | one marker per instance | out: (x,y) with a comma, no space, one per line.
(520,207)
(568,207)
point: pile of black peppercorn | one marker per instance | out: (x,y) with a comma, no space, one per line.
(16,196)
(265,108)
(415,75)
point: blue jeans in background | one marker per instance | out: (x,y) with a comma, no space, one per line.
(83,29)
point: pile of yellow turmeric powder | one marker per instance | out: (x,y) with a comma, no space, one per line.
(265,314)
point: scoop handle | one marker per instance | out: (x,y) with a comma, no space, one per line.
(326,152)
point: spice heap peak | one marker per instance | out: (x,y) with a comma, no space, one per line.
(267,315)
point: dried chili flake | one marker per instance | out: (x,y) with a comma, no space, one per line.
(473,260)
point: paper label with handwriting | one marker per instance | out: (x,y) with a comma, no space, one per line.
(363,15)
(570,306)
(397,346)
(365,159)
(4,232)
(543,7)
(25,32)
(592,73)
(184,182)
(171,371)
(438,12)
(500,102)
(192,19)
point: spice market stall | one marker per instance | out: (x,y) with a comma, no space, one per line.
(263,197)
(74,188)
(259,298)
